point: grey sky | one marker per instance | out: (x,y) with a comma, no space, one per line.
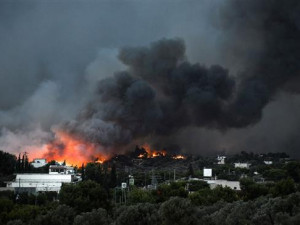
(53,52)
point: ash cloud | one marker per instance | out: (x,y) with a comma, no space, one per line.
(67,47)
(161,93)
(57,59)
(158,94)
(271,62)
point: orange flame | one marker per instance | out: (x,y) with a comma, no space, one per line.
(141,156)
(152,153)
(179,157)
(72,149)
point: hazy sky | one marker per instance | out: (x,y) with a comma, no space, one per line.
(52,53)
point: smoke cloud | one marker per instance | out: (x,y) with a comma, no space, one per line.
(59,69)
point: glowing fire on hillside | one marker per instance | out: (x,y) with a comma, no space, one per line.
(75,150)
(70,148)
(179,157)
(151,153)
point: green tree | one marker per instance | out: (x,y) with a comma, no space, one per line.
(84,196)
(177,211)
(293,170)
(252,190)
(24,212)
(140,214)
(95,217)
(190,172)
(165,191)
(210,196)
(8,163)
(93,171)
(27,166)
(275,174)
(197,185)
(82,172)
(113,176)
(23,163)
(18,166)
(62,215)
(137,195)
(284,187)
(6,206)
(15,222)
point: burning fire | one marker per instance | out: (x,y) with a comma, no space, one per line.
(179,157)
(151,153)
(154,153)
(141,156)
(70,148)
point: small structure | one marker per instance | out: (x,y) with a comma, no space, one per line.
(221,160)
(235,185)
(58,169)
(268,162)
(131,180)
(124,185)
(41,182)
(207,172)
(39,163)
(242,165)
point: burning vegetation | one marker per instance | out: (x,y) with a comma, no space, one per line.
(145,151)
(73,149)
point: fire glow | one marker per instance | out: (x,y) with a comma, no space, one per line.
(72,149)
(179,157)
(151,153)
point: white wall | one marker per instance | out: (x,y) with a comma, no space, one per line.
(42,182)
(235,185)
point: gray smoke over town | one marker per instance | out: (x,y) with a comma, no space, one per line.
(227,81)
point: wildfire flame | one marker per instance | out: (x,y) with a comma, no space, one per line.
(70,148)
(179,157)
(151,153)
(141,156)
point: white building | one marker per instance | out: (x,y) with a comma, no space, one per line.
(221,160)
(235,185)
(40,181)
(58,169)
(39,163)
(242,165)
(207,172)
(268,162)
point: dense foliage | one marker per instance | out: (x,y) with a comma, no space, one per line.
(98,199)
(88,203)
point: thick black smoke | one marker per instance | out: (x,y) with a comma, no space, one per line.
(275,28)
(161,92)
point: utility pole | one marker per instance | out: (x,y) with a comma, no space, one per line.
(153,180)
(174,174)
(115,195)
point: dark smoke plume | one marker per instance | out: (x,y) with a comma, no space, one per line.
(161,92)
(276,26)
